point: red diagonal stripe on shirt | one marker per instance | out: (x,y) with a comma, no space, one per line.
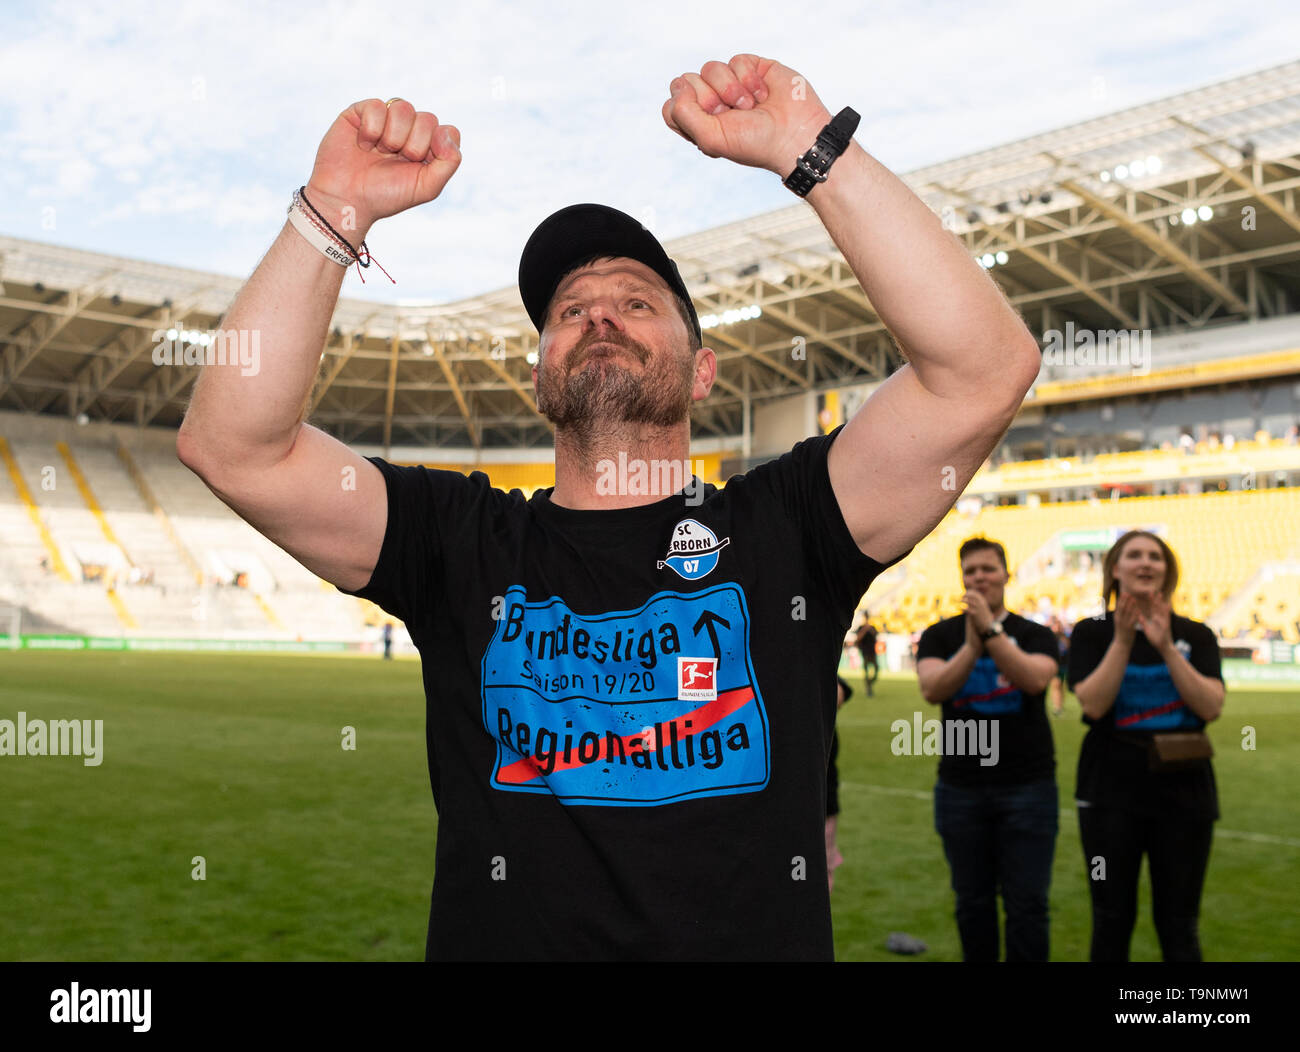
(958,703)
(1146,714)
(705,716)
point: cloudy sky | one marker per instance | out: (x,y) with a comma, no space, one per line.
(175,132)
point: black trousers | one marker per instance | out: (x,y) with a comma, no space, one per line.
(833,778)
(1178,853)
(870,669)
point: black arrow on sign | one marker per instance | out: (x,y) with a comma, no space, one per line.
(707,620)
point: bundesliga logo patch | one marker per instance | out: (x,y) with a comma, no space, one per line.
(697,679)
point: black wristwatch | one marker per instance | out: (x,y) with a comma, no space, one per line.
(994,629)
(833,140)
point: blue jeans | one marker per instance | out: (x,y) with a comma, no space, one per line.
(999,838)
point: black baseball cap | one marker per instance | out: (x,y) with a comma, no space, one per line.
(574,235)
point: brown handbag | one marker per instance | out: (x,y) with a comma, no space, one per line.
(1178,750)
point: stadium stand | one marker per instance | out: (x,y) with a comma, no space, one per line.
(1167,232)
(91,550)
(1219,557)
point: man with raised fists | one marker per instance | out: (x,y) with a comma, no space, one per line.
(245,436)
(626,748)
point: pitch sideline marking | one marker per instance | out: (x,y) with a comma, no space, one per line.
(915,794)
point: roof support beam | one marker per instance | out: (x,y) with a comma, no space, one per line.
(395,349)
(814,335)
(351,341)
(26,344)
(516,386)
(1159,245)
(1246,183)
(105,366)
(748,350)
(456,392)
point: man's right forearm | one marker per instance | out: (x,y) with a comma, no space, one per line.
(251,421)
(948,679)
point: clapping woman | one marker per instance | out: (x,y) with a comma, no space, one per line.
(1148,681)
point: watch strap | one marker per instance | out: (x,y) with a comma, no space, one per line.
(812,168)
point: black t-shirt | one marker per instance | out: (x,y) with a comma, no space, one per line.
(629,712)
(1024,735)
(1114,768)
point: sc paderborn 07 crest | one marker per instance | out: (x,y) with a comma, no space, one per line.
(693,551)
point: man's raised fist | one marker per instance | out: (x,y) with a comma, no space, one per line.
(379,159)
(751,110)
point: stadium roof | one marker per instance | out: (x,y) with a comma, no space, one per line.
(1176,214)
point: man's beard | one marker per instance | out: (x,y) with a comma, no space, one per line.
(589,397)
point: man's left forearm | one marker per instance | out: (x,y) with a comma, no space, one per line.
(1022,670)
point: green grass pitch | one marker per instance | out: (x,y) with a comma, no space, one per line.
(313,852)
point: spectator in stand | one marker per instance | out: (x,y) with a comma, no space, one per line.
(1148,681)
